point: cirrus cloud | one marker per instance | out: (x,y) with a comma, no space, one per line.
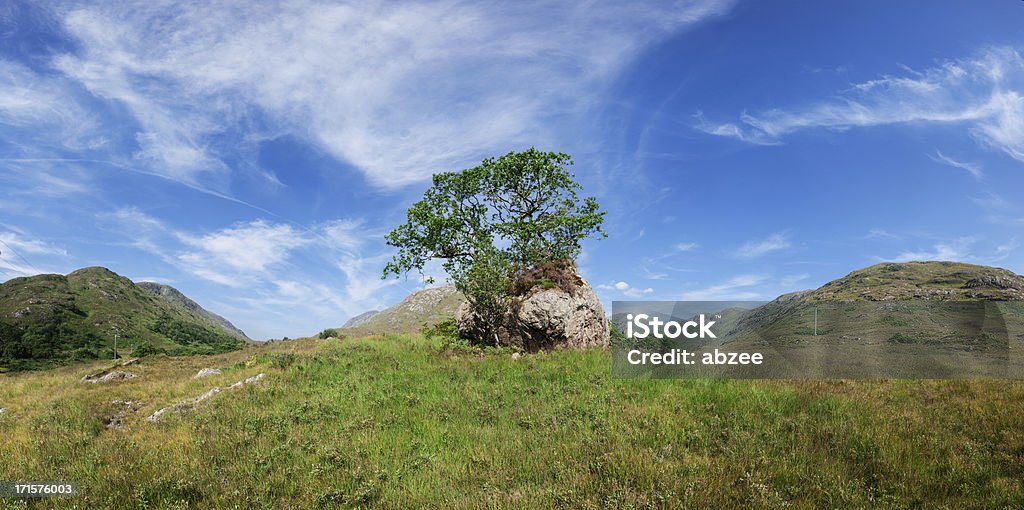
(397,90)
(984,93)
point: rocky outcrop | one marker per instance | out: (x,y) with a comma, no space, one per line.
(192,402)
(360,319)
(543,319)
(424,307)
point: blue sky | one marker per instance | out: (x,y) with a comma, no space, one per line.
(254,154)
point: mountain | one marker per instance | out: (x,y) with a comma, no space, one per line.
(51,318)
(896,319)
(933,281)
(427,306)
(360,319)
(174,297)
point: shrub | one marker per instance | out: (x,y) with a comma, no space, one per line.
(329,333)
(282,360)
(145,349)
(548,275)
(444,329)
(901,338)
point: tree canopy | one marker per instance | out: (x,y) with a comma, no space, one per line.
(485,223)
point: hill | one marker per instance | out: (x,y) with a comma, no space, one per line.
(174,297)
(896,319)
(424,307)
(360,319)
(933,281)
(47,319)
(398,422)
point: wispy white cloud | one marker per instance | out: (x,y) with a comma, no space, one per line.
(18,250)
(962,249)
(1003,251)
(243,249)
(26,245)
(290,274)
(957,250)
(999,210)
(685,246)
(984,93)
(790,283)
(647,274)
(626,289)
(738,287)
(398,90)
(754,249)
(878,233)
(44,110)
(972,168)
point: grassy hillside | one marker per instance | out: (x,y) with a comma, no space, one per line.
(395,422)
(175,298)
(49,319)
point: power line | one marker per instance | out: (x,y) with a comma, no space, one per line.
(23,259)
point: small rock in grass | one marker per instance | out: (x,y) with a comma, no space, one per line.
(516,355)
(206,372)
(116,375)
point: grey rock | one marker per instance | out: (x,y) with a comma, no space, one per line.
(116,375)
(190,403)
(207,372)
(988,281)
(544,319)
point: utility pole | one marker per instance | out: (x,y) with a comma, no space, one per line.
(116,331)
(815,321)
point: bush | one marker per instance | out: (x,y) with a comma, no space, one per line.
(146,349)
(282,360)
(329,333)
(444,329)
(901,338)
(558,273)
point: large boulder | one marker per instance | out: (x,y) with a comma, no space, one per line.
(544,318)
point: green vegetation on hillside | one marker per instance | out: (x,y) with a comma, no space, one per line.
(193,338)
(54,319)
(396,422)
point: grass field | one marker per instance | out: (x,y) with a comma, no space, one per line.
(396,422)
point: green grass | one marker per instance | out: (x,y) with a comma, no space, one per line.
(394,422)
